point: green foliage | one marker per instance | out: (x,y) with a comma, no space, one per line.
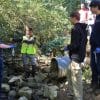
(54,44)
(87,73)
(71,5)
(48,18)
(8,18)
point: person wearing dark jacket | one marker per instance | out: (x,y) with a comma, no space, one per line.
(77,49)
(95,45)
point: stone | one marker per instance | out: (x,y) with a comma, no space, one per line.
(25,91)
(11,95)
(15,78)
(50,91)
(5,87)
(40,77)
(23,98)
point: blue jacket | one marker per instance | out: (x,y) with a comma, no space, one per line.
(95,35)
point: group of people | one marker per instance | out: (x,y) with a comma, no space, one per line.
(77,50)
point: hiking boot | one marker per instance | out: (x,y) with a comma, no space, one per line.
(33,70)
(26,75)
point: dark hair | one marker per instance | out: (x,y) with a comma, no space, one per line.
(76,15)
(86,6)
(95,3)
(30,28)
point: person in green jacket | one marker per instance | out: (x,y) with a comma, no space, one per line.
(28,51)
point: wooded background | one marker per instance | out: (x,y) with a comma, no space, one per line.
(48,18)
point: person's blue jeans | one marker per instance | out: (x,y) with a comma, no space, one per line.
(32,60)
(29,57)
(1,72)
(95,66)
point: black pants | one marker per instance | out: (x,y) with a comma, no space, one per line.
(95,66)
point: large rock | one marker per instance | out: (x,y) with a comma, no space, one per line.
(40,77)
(23,98)
(50,91)
(12,94)
(16,78)
(25,91)
(6,87)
